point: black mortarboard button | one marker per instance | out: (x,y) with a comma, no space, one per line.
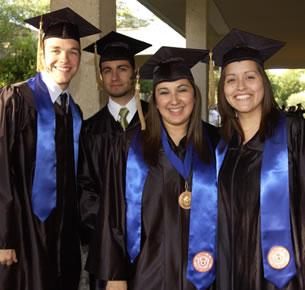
(171,64)
(63,23)
(239,45)
(116,46)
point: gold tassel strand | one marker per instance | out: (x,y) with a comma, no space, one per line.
(212,81)
(98,77)
(39,65)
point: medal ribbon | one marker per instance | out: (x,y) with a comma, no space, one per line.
(274,202)
(275,213)
(203,215)
(184,168)
(44,182)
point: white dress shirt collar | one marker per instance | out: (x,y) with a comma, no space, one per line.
(53,88)
(115,108)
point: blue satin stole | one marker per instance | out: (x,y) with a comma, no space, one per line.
(203,212)
(44,183)
(274,203)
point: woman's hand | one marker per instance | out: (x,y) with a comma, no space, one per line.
(8,257)
(116,285)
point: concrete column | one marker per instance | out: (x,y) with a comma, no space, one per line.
(196,28)
(102,14)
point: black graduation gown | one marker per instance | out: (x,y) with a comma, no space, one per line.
(162,261)
(48,253)
(97,135)
(239,255)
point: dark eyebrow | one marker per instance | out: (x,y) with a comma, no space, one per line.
(123,66)
(106,67)
(58,47)
(54,47)
(248,71)
(183,85)
(232,74)
(162,88)
(119,66)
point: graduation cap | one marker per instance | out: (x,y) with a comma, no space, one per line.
(239,45)
(63,23)
(171,64)
(116,46)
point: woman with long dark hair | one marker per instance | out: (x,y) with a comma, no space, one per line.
(261,182)
(157,223)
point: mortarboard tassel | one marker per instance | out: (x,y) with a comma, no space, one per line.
(212,81)
(98,76)
(140,111)
(39,65)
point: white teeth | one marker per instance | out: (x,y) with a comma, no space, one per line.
(63,68)
(242,97)
(176,110)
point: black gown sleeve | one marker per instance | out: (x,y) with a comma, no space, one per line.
(296,145)
(108,258)
(8,127)
(87,187)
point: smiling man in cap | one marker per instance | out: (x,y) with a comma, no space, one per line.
(116,71)
(39,131)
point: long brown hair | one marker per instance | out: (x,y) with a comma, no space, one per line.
(151,137)
(229,121)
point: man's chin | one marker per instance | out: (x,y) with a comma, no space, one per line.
(118,94)
(124,94)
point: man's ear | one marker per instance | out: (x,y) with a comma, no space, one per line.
(134,74)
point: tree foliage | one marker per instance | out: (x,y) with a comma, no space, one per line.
(20,65)
(18,44)
(146,89)
(288,83)
(125,19)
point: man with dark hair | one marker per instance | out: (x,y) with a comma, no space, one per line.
(39,131)
(117,72)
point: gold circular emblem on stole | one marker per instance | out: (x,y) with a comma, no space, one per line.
(278,257)
(203,262)
(185,199)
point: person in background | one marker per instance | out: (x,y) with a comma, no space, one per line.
(39,131)
(214,118)
(156,225)
(116,73)
(291,109)
(261,165)
(284,108)
(300,110)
